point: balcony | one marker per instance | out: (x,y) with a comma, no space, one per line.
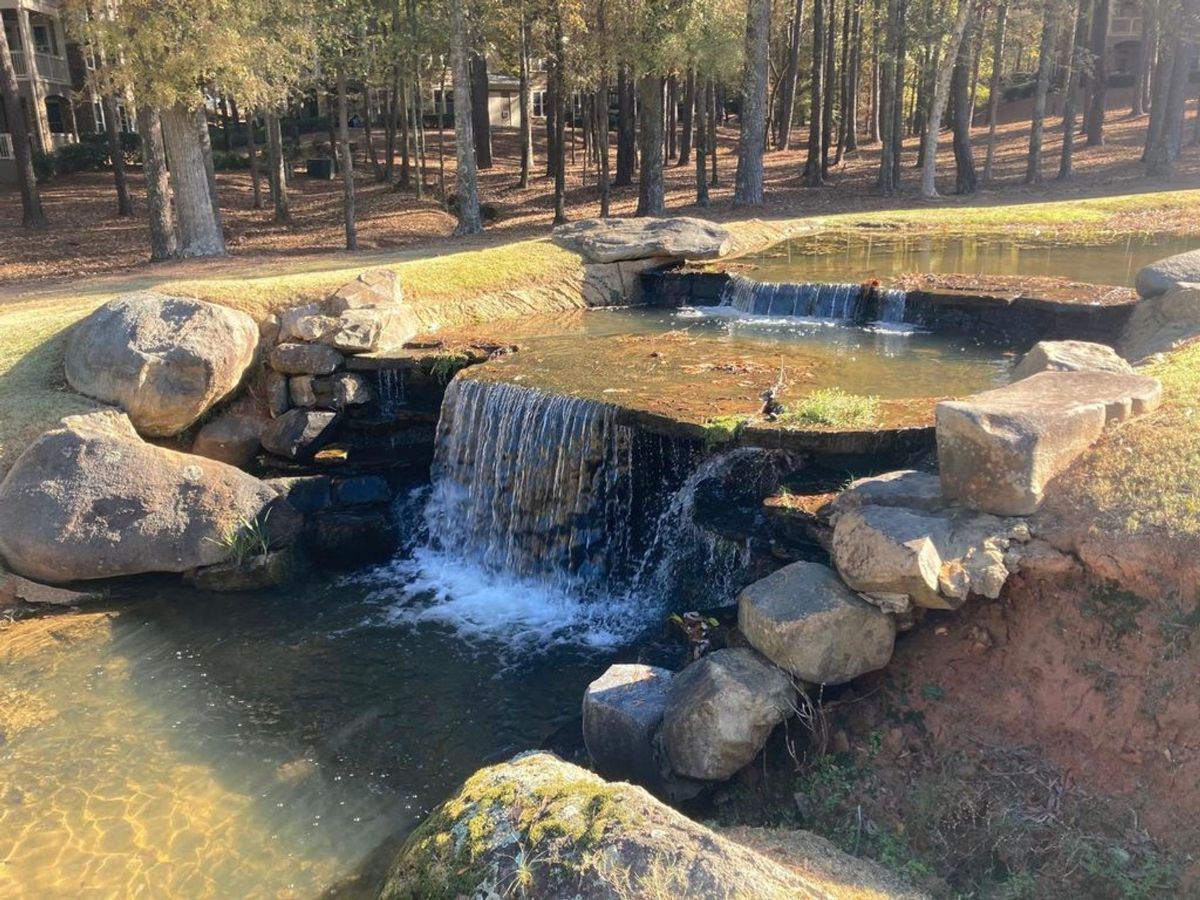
(50,68)
(6,146)
(1125,27)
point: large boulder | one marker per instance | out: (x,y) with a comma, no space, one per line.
(614,240)
(1159,277)
(1070,356)
(805,620)
(998,450)
(298,433)
(373,288)
(554,830)
(907,488)
(90,499)
(164,360)
(622,710)
(721,711)
(1162,323)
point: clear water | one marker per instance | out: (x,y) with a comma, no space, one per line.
(695,364)
(856,258)
(220,746)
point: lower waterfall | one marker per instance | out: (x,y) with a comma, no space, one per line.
(814,300)
(548,521)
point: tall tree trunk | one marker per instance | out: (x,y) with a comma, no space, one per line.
(1066,162)
(713,102)
(1168,143)
(844,83)
(701,100)
(831,16)
(277,170)
(345,157)
(551,107)
(994,86)
(32,214)
(672,116)
(888,101)
(1137,105)
(791,78)
(441,113)
(481,122)
(406,133)
(898,106)
(252,152)
(206,155)
(199,227)
(469,221)
(965,179)
(626,128)
(1101,14)
(874,131)
(850,114)
(1033,170)
(748,183)
(813,171)
(685,118)
(158,185)
(526,130)
(116,154)
(937,106)
(651,200)
(223,112)
(560,157)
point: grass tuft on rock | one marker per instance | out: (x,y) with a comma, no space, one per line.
(832,408)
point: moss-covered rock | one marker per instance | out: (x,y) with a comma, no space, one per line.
(538,827)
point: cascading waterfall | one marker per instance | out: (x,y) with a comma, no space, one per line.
(813,300)
(548,521)
(391,391)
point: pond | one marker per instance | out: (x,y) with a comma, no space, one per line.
(857,257)
(261,746)
(693,364)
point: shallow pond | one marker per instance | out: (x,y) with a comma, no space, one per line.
(261,746)
(692,365)
(856,257)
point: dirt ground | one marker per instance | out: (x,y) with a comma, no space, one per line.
(86,237)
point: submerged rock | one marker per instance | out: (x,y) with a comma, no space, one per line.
(265,570)
(998,450)
(721,711)
(1160,277)
(1070,356)
(91,499)
(803,619)
(164,360)
(540,828)
(615,240)
(622,710)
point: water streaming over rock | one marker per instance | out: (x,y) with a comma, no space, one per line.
(813,300)
(548,519)
(391,391)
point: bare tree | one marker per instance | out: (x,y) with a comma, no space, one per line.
(1033,170)
(158,185)
(994,86)
(32,214)
(937,106)
(814,174)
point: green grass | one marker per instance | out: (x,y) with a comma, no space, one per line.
(723,429)
(831,407)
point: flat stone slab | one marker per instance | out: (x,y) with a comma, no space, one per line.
(617,240)
(805,620)
(622,710)
(1070,356)
(1159,277)
(998,450)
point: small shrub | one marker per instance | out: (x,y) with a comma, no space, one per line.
(833,407)
(723,429)
(246,541)
(1116,608)
(446,365)
(85,156)
(230,161)
(44,165)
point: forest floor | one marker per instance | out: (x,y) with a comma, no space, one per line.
(86,237)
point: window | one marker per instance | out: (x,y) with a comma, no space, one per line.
(98,115)
(45,36)
(539,104)
(55,115)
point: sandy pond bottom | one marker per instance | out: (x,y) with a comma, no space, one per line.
(262,746)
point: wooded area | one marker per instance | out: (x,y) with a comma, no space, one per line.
(655,79)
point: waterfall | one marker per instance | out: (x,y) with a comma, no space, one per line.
(531,484)
(813,300)
(549,521)
(391,391)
